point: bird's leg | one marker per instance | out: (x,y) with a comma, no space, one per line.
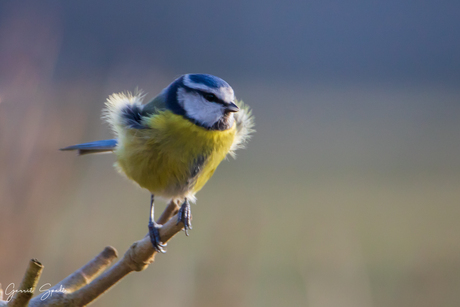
(185,216)
(154,230)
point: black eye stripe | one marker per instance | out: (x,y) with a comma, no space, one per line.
(213,99)
(203,93)
(210,97)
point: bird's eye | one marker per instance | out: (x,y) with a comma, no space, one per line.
(210,97)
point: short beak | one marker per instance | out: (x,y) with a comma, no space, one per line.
(231,107)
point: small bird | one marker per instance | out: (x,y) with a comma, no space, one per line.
(172,145)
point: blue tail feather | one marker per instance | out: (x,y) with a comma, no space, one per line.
(93,147)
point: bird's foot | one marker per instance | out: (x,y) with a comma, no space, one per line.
(185,216)
(154,233)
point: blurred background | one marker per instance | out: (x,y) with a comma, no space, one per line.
(347,195)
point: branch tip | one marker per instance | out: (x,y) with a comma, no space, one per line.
(109,252)
(37,263)
(28,284)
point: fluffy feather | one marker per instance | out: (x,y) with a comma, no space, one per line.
(165,152)
(244,121)
(117,106)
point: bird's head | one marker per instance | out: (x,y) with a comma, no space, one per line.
(205,100)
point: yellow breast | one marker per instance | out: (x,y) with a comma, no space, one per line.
(161,159)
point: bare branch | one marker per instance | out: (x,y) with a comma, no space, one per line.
(28,284)
(89,282)
(169,212)
(89,271)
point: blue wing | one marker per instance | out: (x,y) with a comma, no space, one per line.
(94,147)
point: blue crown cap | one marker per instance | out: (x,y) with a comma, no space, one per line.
(208,80)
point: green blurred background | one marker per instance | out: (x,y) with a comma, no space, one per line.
(347,195)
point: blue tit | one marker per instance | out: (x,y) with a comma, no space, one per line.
(172,145)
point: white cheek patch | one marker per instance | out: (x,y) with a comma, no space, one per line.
(198,108)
